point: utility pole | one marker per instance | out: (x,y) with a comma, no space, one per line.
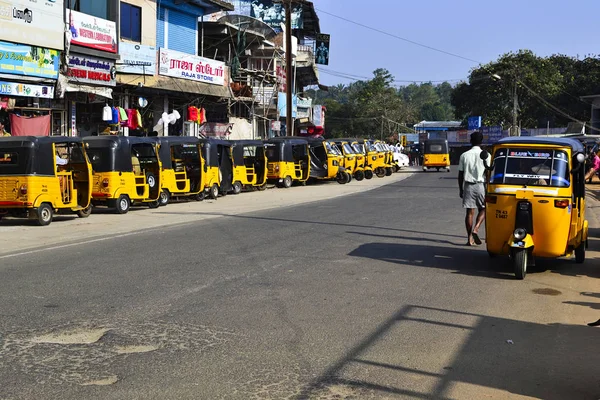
(382,128)
(288,66)
(516,131)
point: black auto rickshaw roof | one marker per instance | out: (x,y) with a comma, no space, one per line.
(574,144)
(32,141)
(287,139)
(119,140)
(167,142)
(247,142)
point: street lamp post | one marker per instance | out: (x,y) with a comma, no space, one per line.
(288,67)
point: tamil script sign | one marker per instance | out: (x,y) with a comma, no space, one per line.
(89,31)
(136,59)
(186,66)
(26,90)
(27,60)
(37,23)
(493,133)
(86,69)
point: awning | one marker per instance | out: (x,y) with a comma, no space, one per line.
(63,86)
(175,85)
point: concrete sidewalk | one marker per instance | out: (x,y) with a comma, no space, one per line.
(20,236)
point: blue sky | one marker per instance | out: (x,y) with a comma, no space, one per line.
(477,29)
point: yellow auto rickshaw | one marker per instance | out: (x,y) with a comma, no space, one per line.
(182,168)
(126,170)
(218,166)
(288,160)
(249,165)
(354,161)
(325,162)
(360,146)
(378,159)
(388,158)
(41,176)
(535,200)
(436,154)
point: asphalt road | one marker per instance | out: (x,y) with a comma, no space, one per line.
(371,295)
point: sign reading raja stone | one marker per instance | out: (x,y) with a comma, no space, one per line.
(186,66)
(85,69)
(136,59)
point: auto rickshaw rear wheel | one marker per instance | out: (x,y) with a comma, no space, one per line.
(380,172)
(200,196)
(155,203)
(122,204)
(214,191)
(262,187)
(359,175)
(520,259)
(287,182)
(237,187)
(341,178)
(85,212)
(389,171)
(369,174)
(164,198)
(580,253)
(44,214)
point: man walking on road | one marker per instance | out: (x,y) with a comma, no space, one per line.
(471,183)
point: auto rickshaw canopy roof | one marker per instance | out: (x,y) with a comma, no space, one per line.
(574,144)
(116,151)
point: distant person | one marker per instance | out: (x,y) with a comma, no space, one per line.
(471,183)
(3,131)
(594,168)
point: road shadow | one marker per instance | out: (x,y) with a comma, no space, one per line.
(479,356)
(461,260)
(303,221)
(418,239)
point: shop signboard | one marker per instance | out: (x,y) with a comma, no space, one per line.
(474,123)
(136,59)
(27,60)
(463,136)
(37,23)
(216,129)
(86,69)
(494,133)
(26,90)
(187,66)
(92,32)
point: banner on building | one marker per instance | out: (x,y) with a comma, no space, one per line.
(136,59)
(37,23)
(187,66)
(318,115)
(86,69)
(276,126)
(493,133)
(27,60)
(270,12)
(92,32)
(452,137)
(281,78)
(282,105)
(322,49)
(463,136)
(26,90)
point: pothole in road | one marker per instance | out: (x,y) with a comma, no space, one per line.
(547,292)
(86,354)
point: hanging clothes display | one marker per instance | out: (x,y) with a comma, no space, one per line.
(131,119)
(192,113)
(139,119)
(107,114)
(115,116)
(201,116)
(122,114)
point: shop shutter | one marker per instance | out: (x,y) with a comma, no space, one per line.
(182,32)
(160,28)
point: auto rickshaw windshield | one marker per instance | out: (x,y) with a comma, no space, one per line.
(348,149)
(358,148)
(531,167)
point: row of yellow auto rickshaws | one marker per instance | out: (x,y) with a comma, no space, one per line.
(42,176)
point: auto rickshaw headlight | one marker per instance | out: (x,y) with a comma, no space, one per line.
(105,183)
(520,233)
(23,190)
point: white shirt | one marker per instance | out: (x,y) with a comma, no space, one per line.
(472,166)
(61,161)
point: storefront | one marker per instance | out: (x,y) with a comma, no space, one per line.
(87,85)
(29,67)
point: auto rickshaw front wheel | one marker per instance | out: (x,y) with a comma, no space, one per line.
(580,253)
(287,182)
(389,171)
(85,212)
(380,172)
(359,175)
(369,174)
(154,204)
(44,214)
(262,187)
(520,258)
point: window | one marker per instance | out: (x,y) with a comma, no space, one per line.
(97,8)
(531,167)
(131,22)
